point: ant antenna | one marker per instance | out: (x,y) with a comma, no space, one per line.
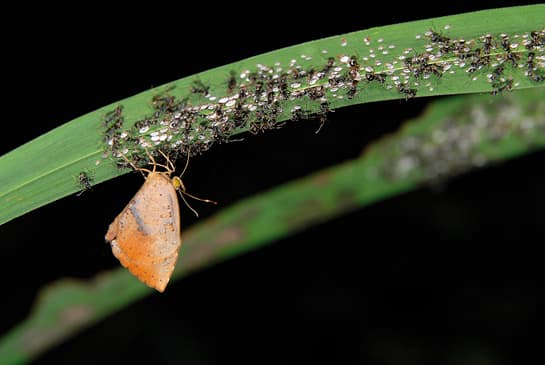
(187,204)
(186,164)
(170,168)
(155,164)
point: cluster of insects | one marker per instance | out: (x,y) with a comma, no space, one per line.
(495,54)
(145,236)
(261,98)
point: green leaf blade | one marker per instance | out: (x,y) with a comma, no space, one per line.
(47,168)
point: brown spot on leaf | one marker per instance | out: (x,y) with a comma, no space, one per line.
(229,235)
(76,314)
(40,338)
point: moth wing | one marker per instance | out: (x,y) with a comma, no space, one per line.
(145,237)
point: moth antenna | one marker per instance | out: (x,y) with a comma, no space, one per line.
(200,199)
(187,204)
(180,187)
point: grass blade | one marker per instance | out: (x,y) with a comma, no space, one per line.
(47,168)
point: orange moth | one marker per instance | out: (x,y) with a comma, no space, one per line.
(146,236)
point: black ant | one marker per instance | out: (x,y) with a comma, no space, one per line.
(353,89)
(531,69)
(283,86)
(142,124)
(322,114)
(537,78)
(85,181)
(270,94)
(407,91)
(242,92)
(252,77)
(505,44)
(296,74)
(380,77)
(163,103)
(431,68)
(354,67)
(240,116)
(487,44)
(231,82)
(199,87)
(502,86)
(219,111)
(315,92)
(298,114)
(310,73)
(258,89)
(513,57)
(113,120)
(336,81)
(537,39)
(438,38)
(353,62)
(459,46)
(497,72)
(264,120)
(329,65)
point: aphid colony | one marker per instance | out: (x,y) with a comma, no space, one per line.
(260,99)
(146,235)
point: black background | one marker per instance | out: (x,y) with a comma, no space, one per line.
(430,277)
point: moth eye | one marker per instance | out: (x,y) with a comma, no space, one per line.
(176,183)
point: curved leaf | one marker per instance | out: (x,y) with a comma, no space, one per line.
(48,168)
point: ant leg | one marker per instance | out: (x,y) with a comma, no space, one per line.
(140,169)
